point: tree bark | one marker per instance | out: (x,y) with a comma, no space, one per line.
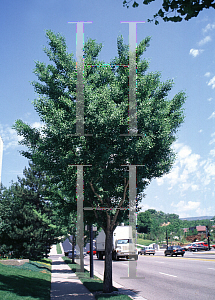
(107,284)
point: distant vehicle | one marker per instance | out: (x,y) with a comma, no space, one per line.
(146,250)
(122,245)
(76,254)
(213,246)
(187,246)
(94,252)
(174,250)
(198,247)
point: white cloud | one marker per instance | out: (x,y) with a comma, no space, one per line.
(213,137)
(212,152)
(210,168)
(37,125)
(200,131)
(209,99)
(184,152)
(212,115)
(204,211)
(9,136)
(205,40)
(194,187)
(208,27)
(207,74)
(195,52)
(212,82)
(182,206)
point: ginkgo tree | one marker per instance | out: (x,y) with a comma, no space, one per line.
(107,148)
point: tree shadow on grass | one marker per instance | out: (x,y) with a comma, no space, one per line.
(25,286)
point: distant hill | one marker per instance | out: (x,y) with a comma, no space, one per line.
(197,218)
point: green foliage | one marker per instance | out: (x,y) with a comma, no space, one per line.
(180,9)
(54,148)
(155,223)
(192,232)
(28,224)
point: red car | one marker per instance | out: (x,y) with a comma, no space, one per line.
(213,246)
(94,252)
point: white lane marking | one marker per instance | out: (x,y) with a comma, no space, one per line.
(160,262)
(167,274)
(124,264)
(211,268)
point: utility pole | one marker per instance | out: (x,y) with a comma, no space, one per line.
(208,236)
(166,239)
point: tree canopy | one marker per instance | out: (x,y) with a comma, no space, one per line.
(54,147)
(175,10)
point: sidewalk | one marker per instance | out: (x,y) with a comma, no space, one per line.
(64,283)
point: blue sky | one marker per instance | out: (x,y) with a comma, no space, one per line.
(183,51)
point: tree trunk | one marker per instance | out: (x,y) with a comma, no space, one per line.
(107,284)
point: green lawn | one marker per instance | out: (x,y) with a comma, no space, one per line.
(94,284)
(58,248)
(29,281)
(144,242)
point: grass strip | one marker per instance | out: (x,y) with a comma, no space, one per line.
(94,285)
(30,281)
(58,248)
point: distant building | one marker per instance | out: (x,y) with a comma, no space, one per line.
(200,228)
(185,230)
(1,155)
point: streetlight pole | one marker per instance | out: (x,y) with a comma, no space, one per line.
(91,251)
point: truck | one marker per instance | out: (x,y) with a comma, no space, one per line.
(123,245)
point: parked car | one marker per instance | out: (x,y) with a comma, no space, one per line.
(76,254)
(198,247)
(146,250)
(174,250)
(213,246)
(187,246)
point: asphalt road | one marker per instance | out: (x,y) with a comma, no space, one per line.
(167,278)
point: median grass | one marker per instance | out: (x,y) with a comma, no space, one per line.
(94,285)
(144,242)
(30,281)
(58,248)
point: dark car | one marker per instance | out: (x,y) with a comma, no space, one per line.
(146,250)
(198,247)
(174,250)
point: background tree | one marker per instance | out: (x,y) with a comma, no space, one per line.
(177,9)
(29,225)
(144,222)
(54,147)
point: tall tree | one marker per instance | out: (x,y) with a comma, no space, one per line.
(55,148)
(176,10)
